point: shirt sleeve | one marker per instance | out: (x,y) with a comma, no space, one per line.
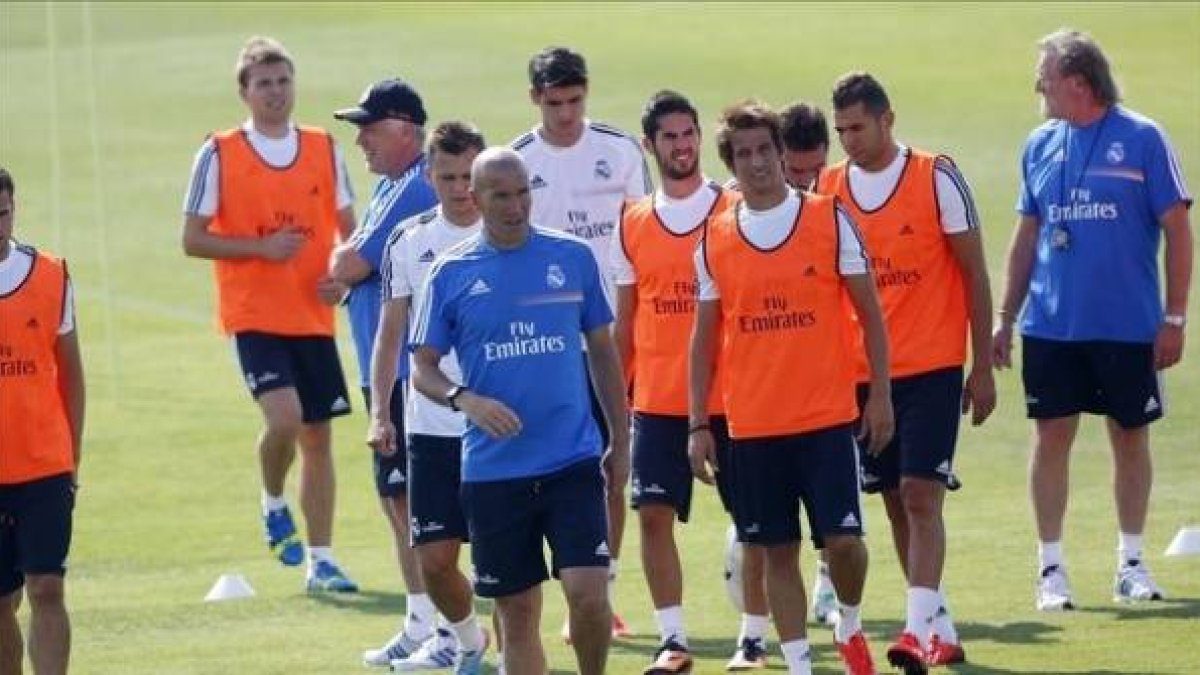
(956,206)
(707,285)
(1026,202)
(395,270)
(68,314)
(620,266)
(434,326)
(639,183)
(370,242)
(345,191)
(852,254)
(596,309)
(204,186)
(1164,174)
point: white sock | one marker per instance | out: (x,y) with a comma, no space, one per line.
(419,616)
(848,623)
(1050,553)
(320,553)
(1129,548)
(613,568)
(754,627)
(670,624)
(923,603)
(273,503)
(943,623)
(470,635)
(796,656)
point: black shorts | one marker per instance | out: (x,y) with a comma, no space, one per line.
(308,363)
(511,520)
(661,472)
(434,505)
(927,407)
(1114,379)
(391,473)
(35,529)
(774,476)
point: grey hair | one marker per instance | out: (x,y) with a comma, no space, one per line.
(1077,53)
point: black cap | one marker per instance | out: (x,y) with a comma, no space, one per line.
(386,99)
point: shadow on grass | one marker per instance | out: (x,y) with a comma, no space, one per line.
(382,602)
(1183,608)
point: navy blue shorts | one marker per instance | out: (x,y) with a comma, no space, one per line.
(661,472)
(1114,379)
(35,529)
(435,479)
(927,407)
(391,473)
(307,363)
(775,476)
(511,520)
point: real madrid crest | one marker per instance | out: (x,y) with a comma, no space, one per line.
(1115,153)
(555,277)
(603,170)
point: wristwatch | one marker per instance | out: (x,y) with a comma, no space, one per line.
(1176,320)
(452,396)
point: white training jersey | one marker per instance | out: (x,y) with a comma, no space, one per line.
(581,189)
(204,187)
(411,250)
(768,229)
(14,270)
(955,205)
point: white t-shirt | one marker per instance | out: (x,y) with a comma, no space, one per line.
(957,207)
(580,189)
(15,268)
(410,252)
(204,188)
(768,229)
(679,216)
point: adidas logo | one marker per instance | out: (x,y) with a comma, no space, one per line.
(850,520)
(479,288)
(944,468)
(810,271)
(340,404)
(32,323)
(537,182)
(268,377)
(906,230)
(1151,405)
(753,528)
(395,477)
(602,549)
(427,256)
(487,579)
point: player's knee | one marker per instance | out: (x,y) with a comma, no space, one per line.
(44,590)
(656,519)
(844,547)
(921,500)
(438,560)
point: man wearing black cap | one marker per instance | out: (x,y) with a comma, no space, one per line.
(390,118)
(580,174)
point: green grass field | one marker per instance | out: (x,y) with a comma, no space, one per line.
(102,107)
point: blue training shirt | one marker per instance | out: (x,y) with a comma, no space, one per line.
(515,319)
(393,201)
(1098,193)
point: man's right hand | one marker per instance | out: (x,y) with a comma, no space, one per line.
(496,419)
(702,454)
(281,244)
(381,436)
(1002,344)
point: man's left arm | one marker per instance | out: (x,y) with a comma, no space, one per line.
(1177,230)
(72,389)
(979,395)
(605,367)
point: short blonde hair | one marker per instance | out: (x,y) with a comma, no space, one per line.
(260,50)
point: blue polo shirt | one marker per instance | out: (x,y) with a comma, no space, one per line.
(1098,193)
(515,317)
(393,201)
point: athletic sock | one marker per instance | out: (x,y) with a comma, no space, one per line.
(670,625)
(273,503)
(470,635)
(1129,548)
(1050,554)
(420,616)
(797,657)
(849,622)
(923,603)
(754,627)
